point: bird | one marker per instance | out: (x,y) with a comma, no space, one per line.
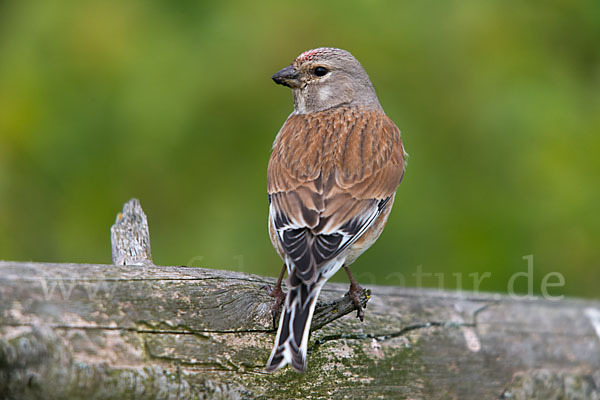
(331,180)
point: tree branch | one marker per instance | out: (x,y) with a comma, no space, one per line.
(82,331)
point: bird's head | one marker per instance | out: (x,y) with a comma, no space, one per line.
(325,78)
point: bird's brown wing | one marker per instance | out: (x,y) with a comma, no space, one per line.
(329,177)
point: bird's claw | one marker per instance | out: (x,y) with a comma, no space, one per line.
(354,293)
(279,297)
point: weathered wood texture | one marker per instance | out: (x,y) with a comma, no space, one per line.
(81,331)
(74,331)
(130,236)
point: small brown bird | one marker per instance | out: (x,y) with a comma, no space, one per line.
(332,177)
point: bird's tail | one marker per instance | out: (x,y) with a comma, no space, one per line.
(294,324)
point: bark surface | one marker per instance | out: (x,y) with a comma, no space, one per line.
(82,331)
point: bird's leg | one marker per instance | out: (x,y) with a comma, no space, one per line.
(278,294)
(354,293)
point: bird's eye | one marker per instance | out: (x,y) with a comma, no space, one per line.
(320,71)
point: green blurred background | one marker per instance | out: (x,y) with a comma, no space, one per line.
(171,102)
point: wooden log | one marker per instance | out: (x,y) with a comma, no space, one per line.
(81,331)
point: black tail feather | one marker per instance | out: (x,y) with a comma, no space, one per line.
(294,326)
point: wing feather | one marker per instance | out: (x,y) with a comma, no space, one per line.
(329,177)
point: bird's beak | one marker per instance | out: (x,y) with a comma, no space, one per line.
(287,77)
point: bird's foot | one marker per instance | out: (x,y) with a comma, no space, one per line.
(279,296)
(354,293)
